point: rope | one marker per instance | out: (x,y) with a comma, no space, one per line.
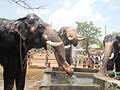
(115,74)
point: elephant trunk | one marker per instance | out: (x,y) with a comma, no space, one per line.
(75,41)
(50,35)
(107,54)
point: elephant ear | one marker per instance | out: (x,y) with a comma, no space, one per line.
(20,28)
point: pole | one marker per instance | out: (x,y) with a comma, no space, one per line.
(105,30)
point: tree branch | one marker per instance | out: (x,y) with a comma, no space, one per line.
(24,4)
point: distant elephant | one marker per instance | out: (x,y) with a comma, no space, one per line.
(16,38)
(111,53)
(69,38)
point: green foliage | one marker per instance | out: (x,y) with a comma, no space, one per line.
(55,30)
(116,33)
(90,32)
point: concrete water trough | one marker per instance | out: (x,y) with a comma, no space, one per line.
(83,79)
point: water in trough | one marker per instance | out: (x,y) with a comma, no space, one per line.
(78,80)
(81,80)
(62,79)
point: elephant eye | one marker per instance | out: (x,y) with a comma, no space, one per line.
(63,32)
(41,26)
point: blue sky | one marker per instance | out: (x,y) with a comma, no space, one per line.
(67,12)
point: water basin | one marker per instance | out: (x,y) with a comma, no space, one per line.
(83,79)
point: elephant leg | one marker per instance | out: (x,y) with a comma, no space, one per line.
(9,75)
(69,58)
(20,78)
(110,65)
(117,63)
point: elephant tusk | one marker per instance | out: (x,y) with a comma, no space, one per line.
(55,44)
(68,46)
(102,56)
(70,38)
(112,55)
(80,39)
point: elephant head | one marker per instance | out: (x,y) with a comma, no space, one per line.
(111,52)
(36,34)
(69,38)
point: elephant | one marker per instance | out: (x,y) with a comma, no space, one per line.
(111,54)
(17,37)
(70,39)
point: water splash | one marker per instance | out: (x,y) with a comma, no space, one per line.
(80,80)
(45,81)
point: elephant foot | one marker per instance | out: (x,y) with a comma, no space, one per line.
(110,74)
(68,69)
(118,78)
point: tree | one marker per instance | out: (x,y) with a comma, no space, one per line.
(90,32)
(116,33)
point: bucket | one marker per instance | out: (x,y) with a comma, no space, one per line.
(48,64)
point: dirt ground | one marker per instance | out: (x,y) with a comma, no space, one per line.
(33,78)
(35,72)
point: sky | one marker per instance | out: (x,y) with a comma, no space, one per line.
(62,13)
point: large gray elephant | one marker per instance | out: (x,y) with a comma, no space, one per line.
(69,38)
(19,36)
(111,53)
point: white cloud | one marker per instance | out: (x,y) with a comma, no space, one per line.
(98,17)
(68,3)
(114,7)
(80,11)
